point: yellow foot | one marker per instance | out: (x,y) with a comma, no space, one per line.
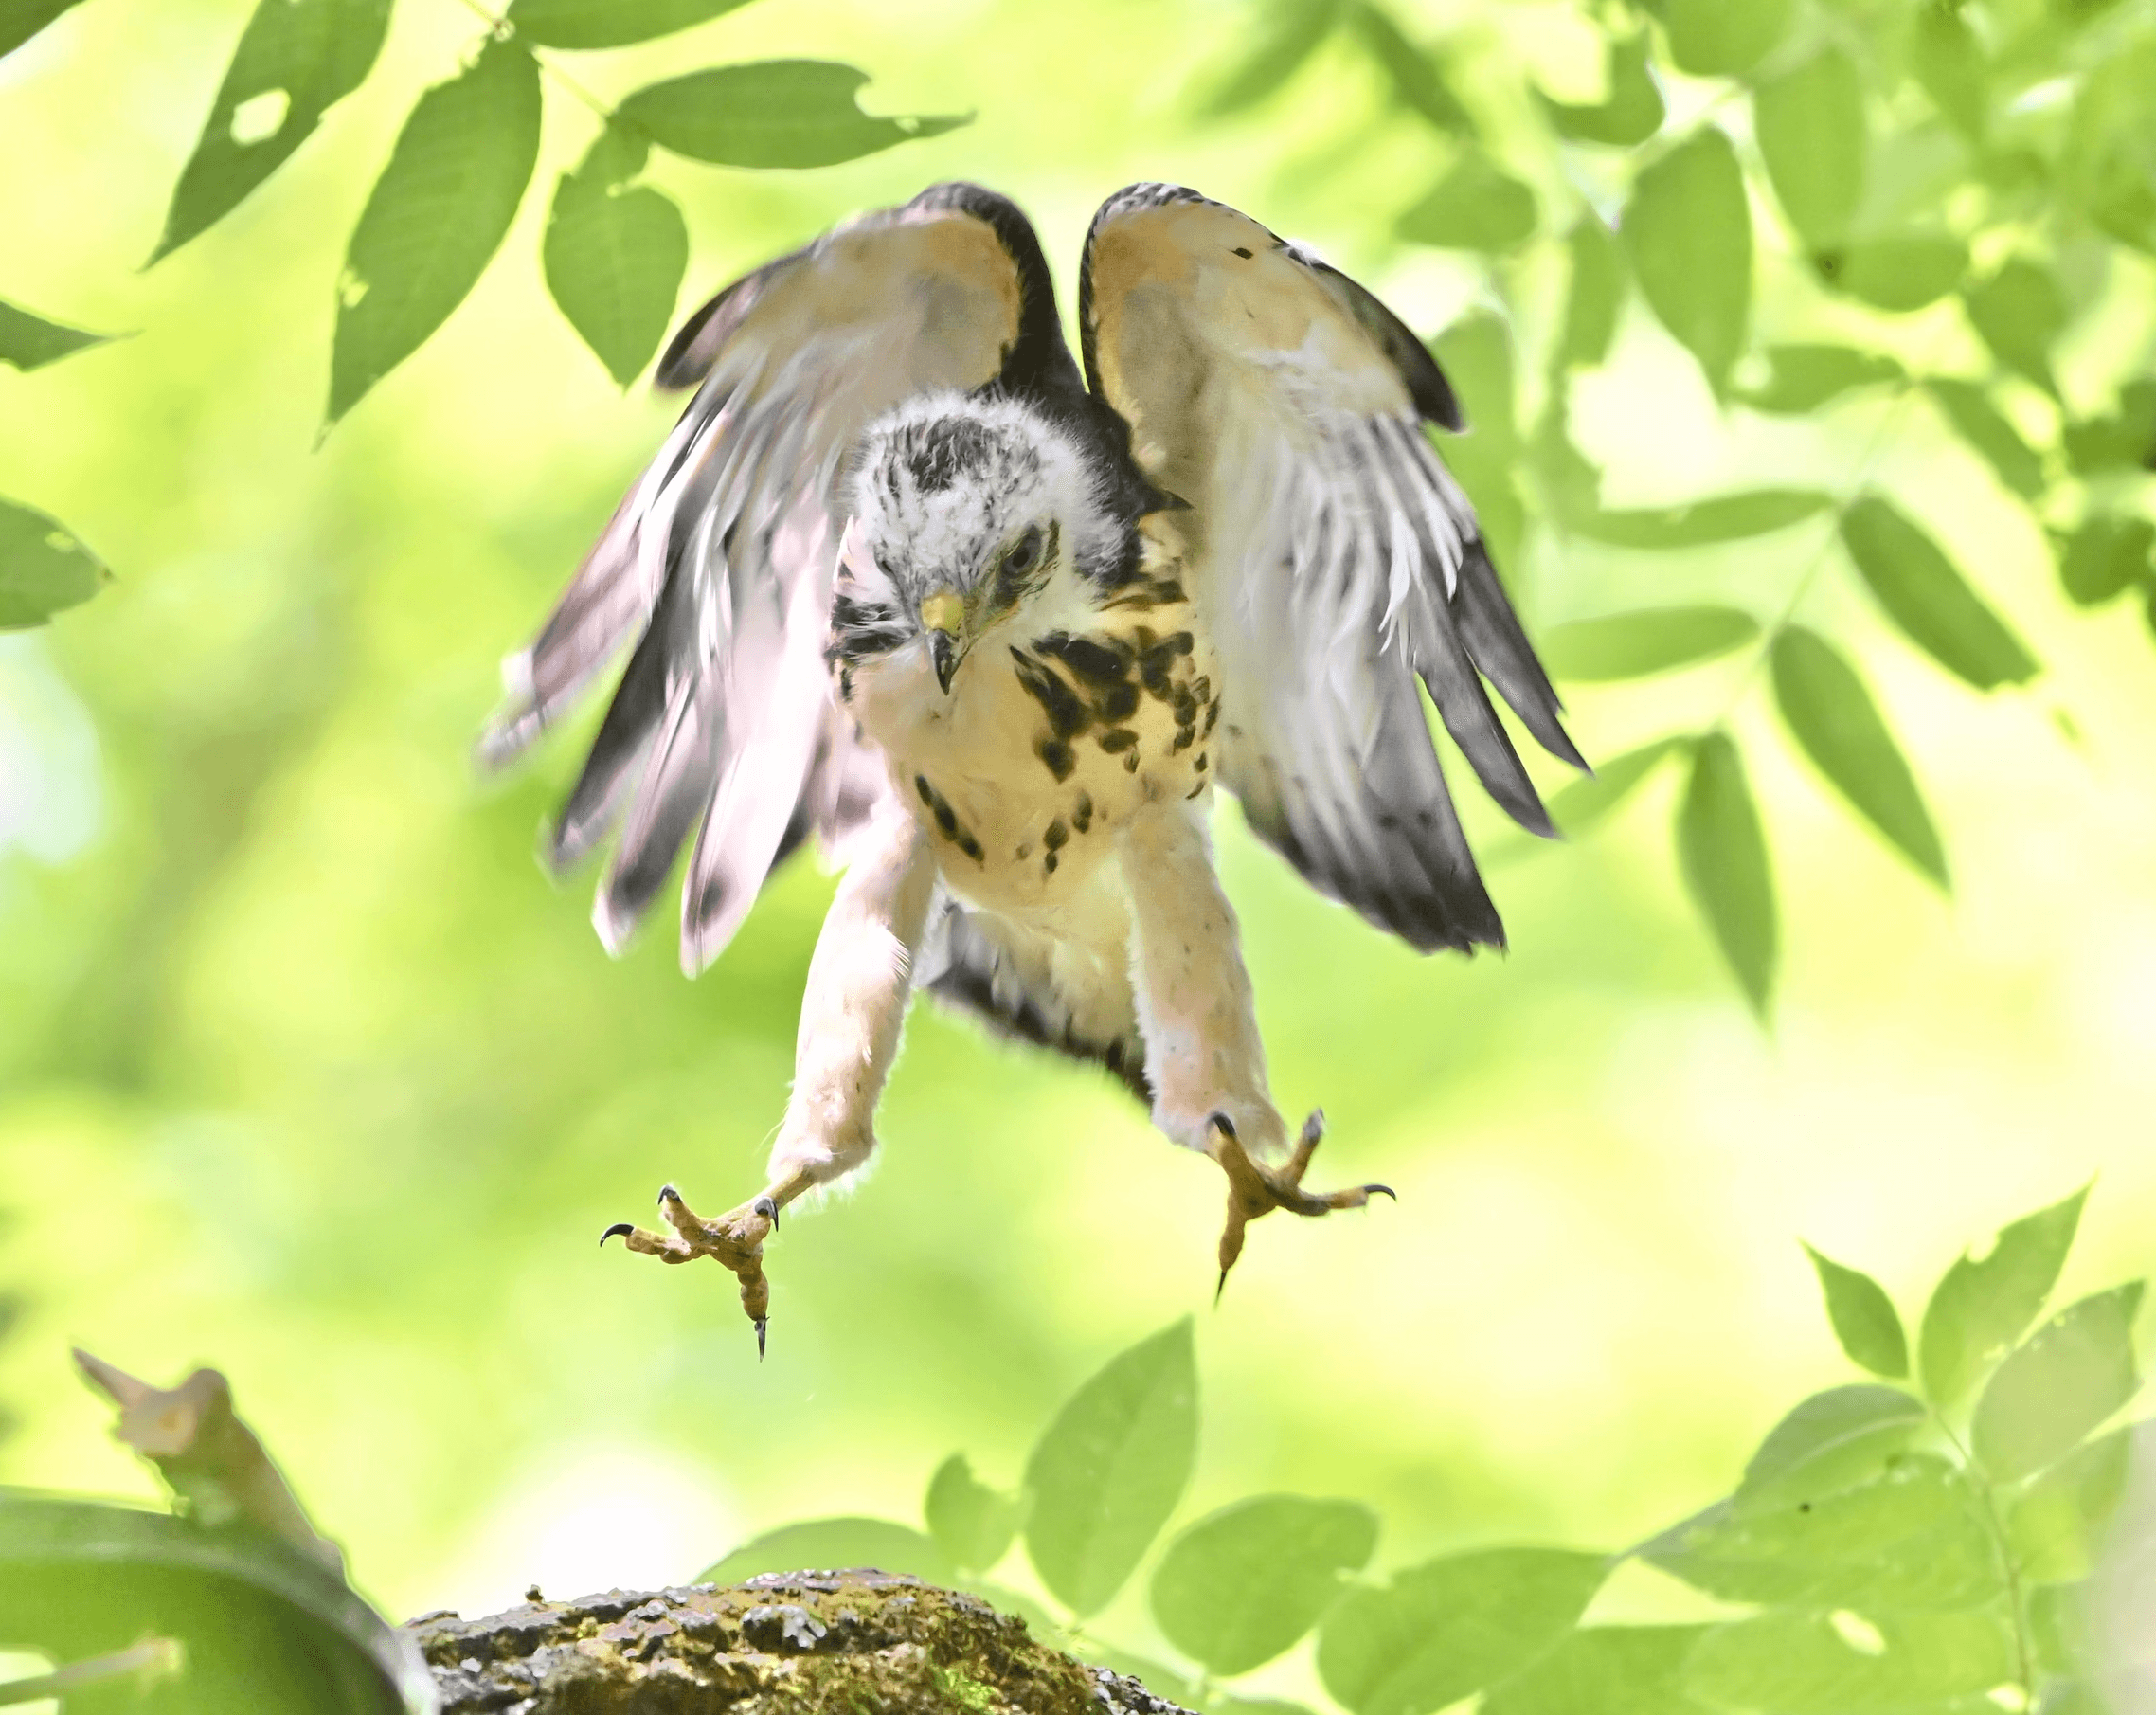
(735,1239)
(1254,1190)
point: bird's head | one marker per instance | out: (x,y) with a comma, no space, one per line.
(966,512)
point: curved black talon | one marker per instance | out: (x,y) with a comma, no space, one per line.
(762,1323)
(1386,1189)
(1226,1124)
(666,1191)
(767,1207)
(623,1227)
(1220,1288)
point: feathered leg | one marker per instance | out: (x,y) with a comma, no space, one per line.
(859,980)
(1203,1056)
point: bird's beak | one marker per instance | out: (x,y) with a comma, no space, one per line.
(943,617)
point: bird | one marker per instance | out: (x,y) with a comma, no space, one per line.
(995,630)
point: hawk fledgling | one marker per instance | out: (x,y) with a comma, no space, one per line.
(993,632)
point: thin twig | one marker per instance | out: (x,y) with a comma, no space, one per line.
(506,32)
(2009,1567)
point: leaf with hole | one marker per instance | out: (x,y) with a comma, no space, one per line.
(1801,378)
(1932,602)
(1649,640)
(1809,124)
(1475,206)
(1863,1317)
(1628,114)
(44,570)
(583,24)
(435,217)
(1289,34)
(2057,1385)
(1581,804)
(1596,293)
(1444,1629)
(1687,231)
(2021,312)
(296,58)
(614,256)
(2105,557)
(1981,1307)
(971,1522)
(1897,274)
(1839,1439)
(1721,852)
(1605,1670)
(1840,1663)
(1980,421)
(833,1545)
(1109,1470)
(1701,523)
(1243,1584)
(1719,38)
(30,342)
(774,113)
(1831,714)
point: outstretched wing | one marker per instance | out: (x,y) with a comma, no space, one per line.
(1334,558)
(718,565)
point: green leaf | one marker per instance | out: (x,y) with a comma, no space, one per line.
(30,342)
(1897,274)
(1981,1307)
(2057,1527)
(775,113)
(1110,1469)
(1449,1627)
(971,1522)
(22,19)
(1605,1670)
(1650,640)
(614,255)
(1687,230)
(1839,1439)
(1933,602)
(1244,1583)
(1863,1317)
(1475,353)
(832,1545)
(1701,523)
(264,1627)
(44,570)
(1632,111)
(436,216)
(2123,441)
(1841,1664)
(1289,34)
(577,23)
(1596,295)
(1721,850)
(1833,717)
(2105,557)
(1411,72)
(1801,378)
(1810,127)
(2063,1381)
(1475,206)
(2021,312)
(1716,38)
(2108,164)
(1980,423)
(1948,62)
(296,58)
(1581,804)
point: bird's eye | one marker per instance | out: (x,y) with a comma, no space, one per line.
(1024,556)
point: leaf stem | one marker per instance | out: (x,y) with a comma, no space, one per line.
(2009,1568)
(154,1656)
(506,32)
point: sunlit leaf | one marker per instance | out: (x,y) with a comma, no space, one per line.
(1844,1663)
(833,1545)
(1832,716)
(296,58)
(775,113)
(1446,1629)
(22,19)
(1801,378)
(2057,1527)
(1863,1317)
(435,217)
(1809,122)
(1570,481)
(1842,1438)
(1579,804)
(1475,206)
(1982,1307)
(614,255)
(1243,1584)
(2021,313)
(44,570)
(1475,353)
(1632,111)
(1715,37)
(30,342)
(2105,557)
(1687,230)
(1987,430)
(2108,164)
(1701,523)
(2123,441)
(2057,1385)
(1411,72)
(1596,295)
(1287,36)
(1721,852)
(609,23)
(1950,63)
(1898,274)
(1110,1469)
(1933,602)
(1649,640)
(1605,1670)
(971,1523)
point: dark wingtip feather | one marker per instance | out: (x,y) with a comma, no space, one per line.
(1500,648)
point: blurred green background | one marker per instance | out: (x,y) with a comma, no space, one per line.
(308,1071)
